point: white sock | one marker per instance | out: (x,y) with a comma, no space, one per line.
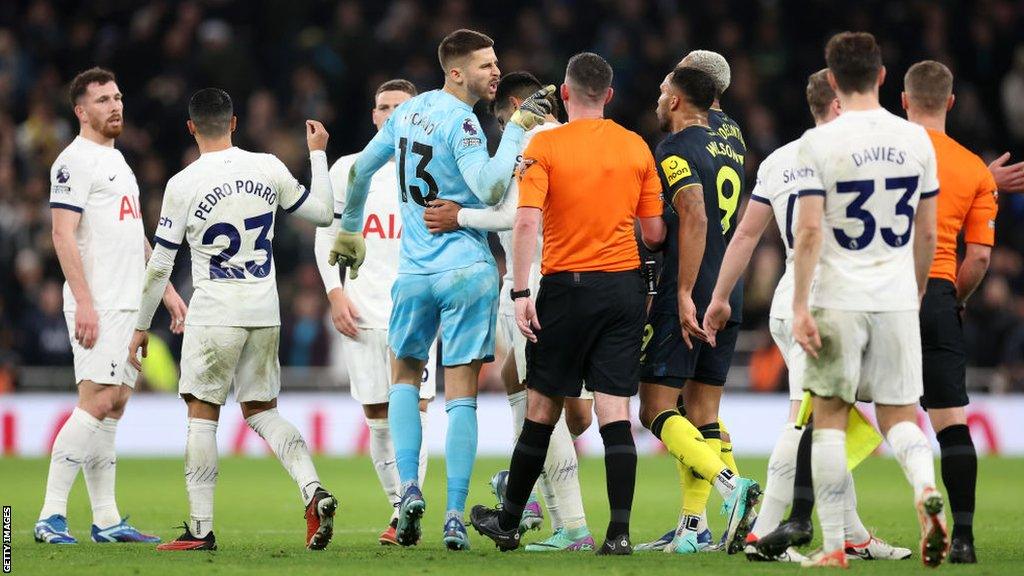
(914,454)
(201,474)
(725,483)
(854,530)
(560,482)
(382,454)
(517,402)
(831,484)
(99,470)
(702,522)
(70,449)
(778,490)
(289,447)
(422,474)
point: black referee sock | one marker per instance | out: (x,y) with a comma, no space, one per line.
(526,466)
(620,474)
(960,475)
(803,491)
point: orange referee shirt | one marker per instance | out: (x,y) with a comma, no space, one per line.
(592,178)
(967,201)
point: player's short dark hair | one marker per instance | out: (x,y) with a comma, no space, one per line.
(80,83)
(928,85)
(590,74)
(397,85)
(819,94)
(697,86)
(210,109)
(855,60)
(519,84)
(459,44)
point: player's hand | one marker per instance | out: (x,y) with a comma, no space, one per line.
(343,313)
(1008,178)
(87,325)
(316,135)
(717,315)
(532,111)
(805,331)
(688,320)
(441,216)
(177,308)
(526,318)
(349,249)
(139,344)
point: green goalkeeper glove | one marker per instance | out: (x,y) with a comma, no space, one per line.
(532,111)
(349,249)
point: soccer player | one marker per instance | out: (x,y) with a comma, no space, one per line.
(102,249)
(446,281)
(968,205)
(224,205)
(699,171)
(775,196)
(559,481)
(360,308)
(592,179)
(866,184)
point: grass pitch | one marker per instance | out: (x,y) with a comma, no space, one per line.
(260,528)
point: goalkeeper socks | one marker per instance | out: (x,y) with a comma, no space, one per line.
(406,430)
(201,474)
(960,475)
(460,450)
(561,477)
(914,454)
(831,483)
(726,453)
(778,490)
(854,529)
(517,402)
(803,490)
(620,475)
(382,454)
(524,469)
(289,447)
(421,472)
(99,470)
(70,449)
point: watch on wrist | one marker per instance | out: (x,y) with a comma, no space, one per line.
(516,294)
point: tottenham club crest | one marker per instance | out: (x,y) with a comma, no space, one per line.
(63,175)
(468,127)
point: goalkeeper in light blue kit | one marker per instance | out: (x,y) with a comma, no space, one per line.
(447,281)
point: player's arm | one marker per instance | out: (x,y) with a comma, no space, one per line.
(497,218)
(979,235)
(487,177)
(315,204)
(343,312)
(925,235)
(379,150)
(70,183)
(524,245)
(172,300)
(688,202)
(807,240)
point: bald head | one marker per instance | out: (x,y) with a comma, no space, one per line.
(711,63)
(928,86)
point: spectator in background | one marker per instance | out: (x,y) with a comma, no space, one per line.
(44,331)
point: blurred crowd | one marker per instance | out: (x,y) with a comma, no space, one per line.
(283,62)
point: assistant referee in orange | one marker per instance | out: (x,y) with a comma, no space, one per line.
(591,179)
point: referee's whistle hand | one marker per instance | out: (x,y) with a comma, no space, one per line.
(441,216)
(526,318)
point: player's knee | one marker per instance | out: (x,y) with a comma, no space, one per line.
(375,411)
(578,421)
(250,409)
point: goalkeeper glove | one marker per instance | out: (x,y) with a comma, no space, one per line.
(349,249)
(532,111)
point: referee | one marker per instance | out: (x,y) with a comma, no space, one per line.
(591,179)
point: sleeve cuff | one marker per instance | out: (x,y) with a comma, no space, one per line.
(166,243)
(930,194)
(810,192)
(294,207)
(760,199)
(63,206)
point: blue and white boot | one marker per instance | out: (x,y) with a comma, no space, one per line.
(54,530)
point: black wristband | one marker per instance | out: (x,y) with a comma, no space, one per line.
(519,294)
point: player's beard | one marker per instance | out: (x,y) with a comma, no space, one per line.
(482,89)
(109,129)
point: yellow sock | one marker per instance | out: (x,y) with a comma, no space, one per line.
(699,460)
(727,456)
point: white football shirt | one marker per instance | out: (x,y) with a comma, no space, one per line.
(95,181)
(224,204)
(873,168)
(382,230)
(776,186)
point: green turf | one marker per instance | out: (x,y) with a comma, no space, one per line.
(260,528)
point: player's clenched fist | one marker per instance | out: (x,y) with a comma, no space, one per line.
(349,249)
(316,135)
(532,111)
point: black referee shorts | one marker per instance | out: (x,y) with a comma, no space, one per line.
(942,347)
(591,325)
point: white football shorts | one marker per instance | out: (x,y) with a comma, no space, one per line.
(369,367)
(216,358)
(107,361)
(792,353)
